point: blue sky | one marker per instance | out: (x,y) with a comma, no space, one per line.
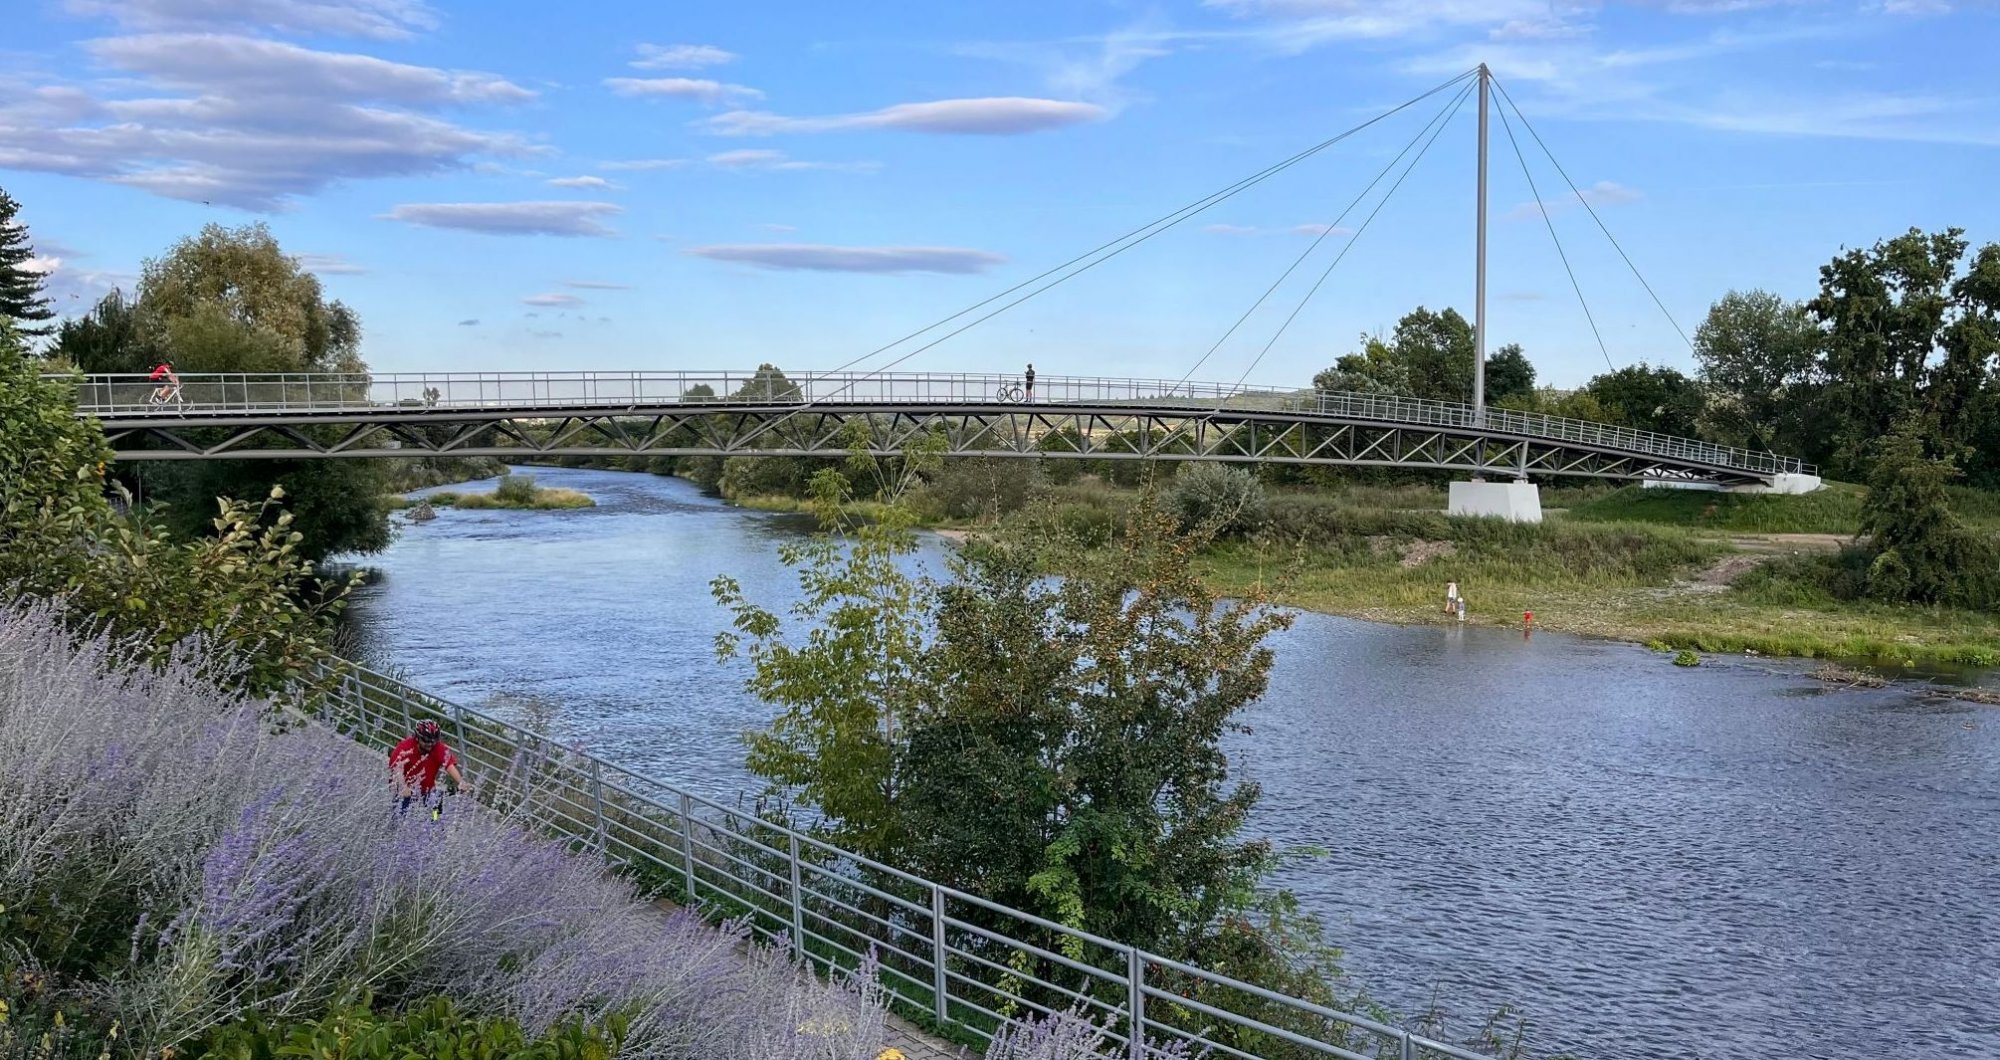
(507,185)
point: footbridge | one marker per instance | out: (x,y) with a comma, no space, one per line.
(763,413)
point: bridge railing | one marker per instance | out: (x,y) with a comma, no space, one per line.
(943,953)
(208,395)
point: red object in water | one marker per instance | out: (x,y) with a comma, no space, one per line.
(1527,618)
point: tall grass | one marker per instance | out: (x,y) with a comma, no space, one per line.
(188,861)
(1833,510)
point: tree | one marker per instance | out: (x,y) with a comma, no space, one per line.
(23,298)
(1429,355)
(245,587)
(1908,338)
(1508,374)
(1759,355)
(231,300)
(1649,399)
(1922,552)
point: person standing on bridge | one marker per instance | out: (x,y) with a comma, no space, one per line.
(1028,381)
(415,763)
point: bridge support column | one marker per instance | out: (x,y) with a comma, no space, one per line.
(1517,501)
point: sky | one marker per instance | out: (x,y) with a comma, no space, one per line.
(507,185)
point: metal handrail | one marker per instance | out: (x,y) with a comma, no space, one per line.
(786,907)
(210,395)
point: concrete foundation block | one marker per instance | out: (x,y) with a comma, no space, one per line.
(1516,501)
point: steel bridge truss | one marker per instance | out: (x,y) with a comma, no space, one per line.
(781,429)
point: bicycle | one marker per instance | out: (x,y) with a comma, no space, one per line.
(173,395)
(1011,392)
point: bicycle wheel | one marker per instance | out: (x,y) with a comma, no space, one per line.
(1009,393)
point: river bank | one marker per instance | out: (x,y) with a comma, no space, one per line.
(1664,568)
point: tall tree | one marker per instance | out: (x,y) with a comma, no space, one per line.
(231,300)
(1909,338)
(1428,355)
(1508,374)
(1649,399)
(23,296)
(1759,356)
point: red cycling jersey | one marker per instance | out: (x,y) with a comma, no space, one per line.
(417,764)
(161,372)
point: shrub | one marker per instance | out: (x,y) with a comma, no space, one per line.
(1218,497)
(434,1028)
(284,885)
(982,487)
(515,489)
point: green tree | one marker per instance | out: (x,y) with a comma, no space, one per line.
(1759,356)
(245,585)
(231,300)
(1908,338)
(1509,374)
(1921,552)
(23,299)
(1649,399)
(1375,370)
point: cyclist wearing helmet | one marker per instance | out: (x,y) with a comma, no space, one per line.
(415,763)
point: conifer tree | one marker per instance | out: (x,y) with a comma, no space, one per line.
(22,298)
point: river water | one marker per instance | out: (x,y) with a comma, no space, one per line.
(1646,861)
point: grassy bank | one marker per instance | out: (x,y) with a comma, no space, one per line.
(1648,566)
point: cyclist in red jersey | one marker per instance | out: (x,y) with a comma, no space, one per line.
(415,763)
(170,384)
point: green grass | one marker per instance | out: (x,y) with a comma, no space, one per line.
(1833,510)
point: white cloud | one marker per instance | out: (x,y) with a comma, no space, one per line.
(643,164)
(995,116)
(556,299)
(1602,193)
(596,285)
(680,56)
(511,218)
(329,265)
(249,66)
(596,183)
(68,286)
(381,19)
(1300,25)
(472,323)
(1321,229)
(695,88)
(778,160)
(246,122)
(821,258)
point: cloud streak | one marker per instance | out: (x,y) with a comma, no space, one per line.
(330,265)
(698,89)
(380,19)
(596,285)
(552,299)
(988,116)
(1602,193)
(754,159)
(680,57)
(593,183)
(511,218)
(822,258)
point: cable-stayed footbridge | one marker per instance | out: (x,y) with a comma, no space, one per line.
(763,413)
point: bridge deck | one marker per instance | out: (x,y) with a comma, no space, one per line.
(241,415)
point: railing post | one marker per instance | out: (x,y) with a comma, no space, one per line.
(1135,1000)
(1409,1047)
(597,796)
(687,842)
(798,903)
(940,1005)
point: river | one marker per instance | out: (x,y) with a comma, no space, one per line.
(1647,861)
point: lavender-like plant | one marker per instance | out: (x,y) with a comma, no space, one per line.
(207,863)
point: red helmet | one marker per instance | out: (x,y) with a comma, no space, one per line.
(429,731)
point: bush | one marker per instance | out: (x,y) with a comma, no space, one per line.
(982,487)
(193,903)
(434,1028)
(1220,498)
(515,489)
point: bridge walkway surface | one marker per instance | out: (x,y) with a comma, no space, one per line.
(738,413)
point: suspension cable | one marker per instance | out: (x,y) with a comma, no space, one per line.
(1129,239)
(1526,124)
(1384,201)
(1450,104)
(1557,240)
